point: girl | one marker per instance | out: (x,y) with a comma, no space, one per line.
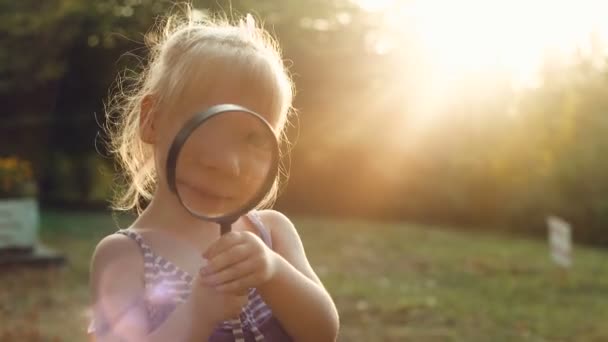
(170,276)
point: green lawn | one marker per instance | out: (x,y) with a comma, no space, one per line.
(391,282)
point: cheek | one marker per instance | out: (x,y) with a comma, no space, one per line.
(255,175)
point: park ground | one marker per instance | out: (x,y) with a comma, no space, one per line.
(390,281)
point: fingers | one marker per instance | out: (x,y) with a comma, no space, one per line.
(224,243)
(235,263)
(240,285)
(229,274)
(226,259)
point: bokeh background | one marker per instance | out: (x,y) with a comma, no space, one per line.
(433,140)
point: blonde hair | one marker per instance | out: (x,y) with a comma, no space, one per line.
(237,45)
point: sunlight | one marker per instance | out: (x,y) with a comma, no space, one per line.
(373,5)
(514,37)
(466,50)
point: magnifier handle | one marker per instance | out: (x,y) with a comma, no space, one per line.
(225,227)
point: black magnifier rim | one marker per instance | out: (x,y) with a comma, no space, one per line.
(185,132)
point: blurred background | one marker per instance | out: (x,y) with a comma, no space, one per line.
(434,138)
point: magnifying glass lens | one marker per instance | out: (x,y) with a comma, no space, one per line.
(223,162)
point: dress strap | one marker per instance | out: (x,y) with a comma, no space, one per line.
(254,217)
(148,255)
(237,330)
(137,238)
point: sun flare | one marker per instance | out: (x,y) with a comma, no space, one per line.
(516,37)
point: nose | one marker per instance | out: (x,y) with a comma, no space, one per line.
(223,161)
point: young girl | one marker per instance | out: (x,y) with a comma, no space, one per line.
(170,276)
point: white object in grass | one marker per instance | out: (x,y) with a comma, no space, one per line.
(19,221)
(560,240)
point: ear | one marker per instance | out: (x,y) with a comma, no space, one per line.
(147,119)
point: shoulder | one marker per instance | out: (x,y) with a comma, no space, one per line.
(116,247)
(274,217)
(116,254)
(117,285)
(279,226)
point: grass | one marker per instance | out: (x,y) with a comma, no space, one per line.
(391,282)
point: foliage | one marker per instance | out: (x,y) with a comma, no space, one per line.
(492,155)
(16,178)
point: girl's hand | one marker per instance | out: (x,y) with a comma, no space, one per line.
(238,261)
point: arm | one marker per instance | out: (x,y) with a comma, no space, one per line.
(117,290)
(295,294)
(240,260)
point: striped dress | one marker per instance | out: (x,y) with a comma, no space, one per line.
(167,286)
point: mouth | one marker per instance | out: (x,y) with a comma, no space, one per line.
(205,192)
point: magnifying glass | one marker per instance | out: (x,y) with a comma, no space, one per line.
(222,163)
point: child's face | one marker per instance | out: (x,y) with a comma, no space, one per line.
(225,161)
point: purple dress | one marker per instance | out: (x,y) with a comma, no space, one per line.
(167,286)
